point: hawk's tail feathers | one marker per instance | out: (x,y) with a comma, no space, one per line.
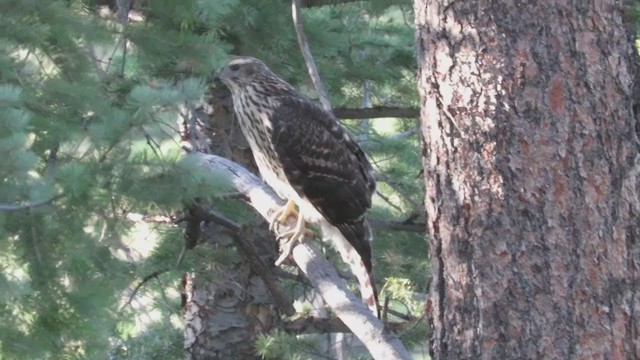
(368,290)
(352,242)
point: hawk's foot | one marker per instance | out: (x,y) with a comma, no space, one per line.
(281,215)
(293,237)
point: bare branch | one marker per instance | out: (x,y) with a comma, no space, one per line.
(404,134)
(123,17)
(377,112)
(27,206)
(314,325)
(144,280)
(354,314)
(318,3)
(255,262)
(382,344)
(308,58)
(52,161)
(397,225)
(158,219)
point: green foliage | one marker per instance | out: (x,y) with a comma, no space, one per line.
(280,345)
(89,129)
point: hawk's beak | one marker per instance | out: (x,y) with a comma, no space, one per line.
(216,75)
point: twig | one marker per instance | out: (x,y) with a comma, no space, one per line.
(153,144)
(376,112)
(318,3)
(51,161)
(123,17)
(27,206)
(404,134)
(144,280)
(398,225)
(415,324)
(308,58)
(159,219)
(388,201)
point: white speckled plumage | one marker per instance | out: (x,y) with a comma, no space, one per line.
(305,155)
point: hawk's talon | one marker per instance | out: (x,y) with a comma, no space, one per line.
(294,236)
(281,215)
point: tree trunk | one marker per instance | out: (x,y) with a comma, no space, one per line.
(226,312)
(531,171)
(226,309)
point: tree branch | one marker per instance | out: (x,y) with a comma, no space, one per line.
(9,207)
(397,225)
(255,261)
(143,281)
(376,112)
(381,343)
(308,58)
(318,3)
(314,325)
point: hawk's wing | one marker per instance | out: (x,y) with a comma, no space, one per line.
(323,164)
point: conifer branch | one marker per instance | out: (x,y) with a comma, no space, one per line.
(27,206)
(398,226)
(377,112)
(241,237)
(319,3)
(381,343)
(137,288)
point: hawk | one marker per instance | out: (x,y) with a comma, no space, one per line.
(309,159)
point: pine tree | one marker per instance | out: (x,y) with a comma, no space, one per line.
(94,184)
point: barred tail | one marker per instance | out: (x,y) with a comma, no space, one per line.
(352,240)
(368,290)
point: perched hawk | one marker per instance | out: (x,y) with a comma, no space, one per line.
(306,156)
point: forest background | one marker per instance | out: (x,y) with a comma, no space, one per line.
(98,101)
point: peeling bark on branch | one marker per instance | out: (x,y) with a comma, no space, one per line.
(381,344)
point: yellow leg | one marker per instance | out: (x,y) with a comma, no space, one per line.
(294,236)
(282,214)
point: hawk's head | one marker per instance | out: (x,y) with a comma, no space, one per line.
(243,70)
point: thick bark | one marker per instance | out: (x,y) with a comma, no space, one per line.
(223,316)
(531,171)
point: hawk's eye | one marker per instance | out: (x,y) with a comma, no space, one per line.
(234,67)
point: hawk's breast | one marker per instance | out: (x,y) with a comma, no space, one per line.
(254,117)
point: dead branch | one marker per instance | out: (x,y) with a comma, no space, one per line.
(143,281)
(158,219)
(314,325)
(308,58)
(318,3)
(352,312)
(255,262)
(27,206)
(376,112)
(398,226)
